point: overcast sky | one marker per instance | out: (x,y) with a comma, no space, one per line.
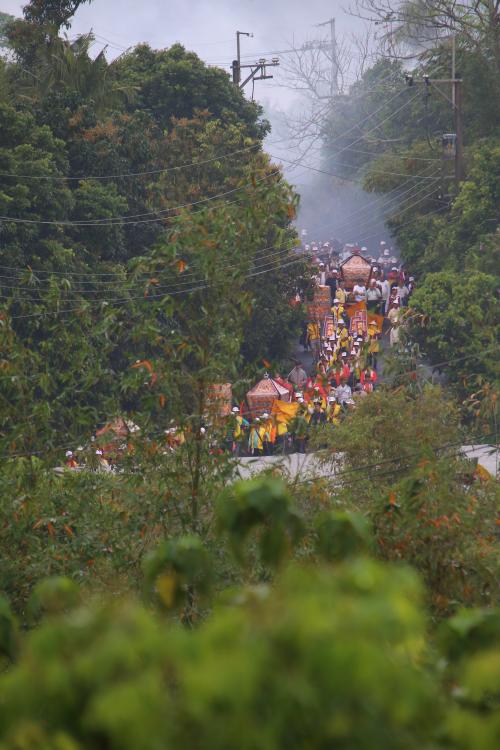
(208,27)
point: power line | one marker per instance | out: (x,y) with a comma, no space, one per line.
(162,296)
(136,218)
(166,170)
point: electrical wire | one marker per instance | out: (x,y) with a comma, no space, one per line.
(121,220)
(123,175)
(150,297)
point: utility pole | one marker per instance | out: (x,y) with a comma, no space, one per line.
(459,130)
(236,66)
(334,83)
(258,70)
(453,142)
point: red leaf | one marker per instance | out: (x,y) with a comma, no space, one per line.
(143,363)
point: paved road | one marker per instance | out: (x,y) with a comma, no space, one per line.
(300,466)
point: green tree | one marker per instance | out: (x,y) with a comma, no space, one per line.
(52,12)
(456,322)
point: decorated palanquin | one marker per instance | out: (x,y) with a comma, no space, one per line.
(328,327)
(320,305)
(355,269)
(219,399)
(263,395)
(359,319)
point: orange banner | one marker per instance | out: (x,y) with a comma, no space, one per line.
(356,307)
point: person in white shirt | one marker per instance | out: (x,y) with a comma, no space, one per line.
(343,393)
(359,291)
(385,289)
(402,292)
(373,296)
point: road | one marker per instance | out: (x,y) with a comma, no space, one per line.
(305,467)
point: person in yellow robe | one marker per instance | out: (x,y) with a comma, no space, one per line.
(333,411)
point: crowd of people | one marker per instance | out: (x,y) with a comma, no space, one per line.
(345,353)
(340,367)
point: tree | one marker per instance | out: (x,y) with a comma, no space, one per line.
(460,331)
(176,83)
(55,13)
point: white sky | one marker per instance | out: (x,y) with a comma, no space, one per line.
(208,27)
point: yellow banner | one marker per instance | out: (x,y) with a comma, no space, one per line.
(284,412)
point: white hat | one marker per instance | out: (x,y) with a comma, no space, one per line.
(98,453)
(69,453)
(336,300)
(300,400)
(202,430)
(236,409)
(331,398)
(412,278)
(265,415)
(257,419)
(394,268)
(344,354)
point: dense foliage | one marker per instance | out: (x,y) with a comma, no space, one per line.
(147,255)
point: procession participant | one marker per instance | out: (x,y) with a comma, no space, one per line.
(393,299)
(255,445)
(318,416)
(268,434)
(337,311)
(393,274)
(402,292)
(411,286)
(385,289)
(297,376)
(299,428)
(359,393)
(344,394)
(359,291)
(373,343)
(394,316)
(321,277)
(373,296)
(343,335)
(313,335)
(238,425)
(71,461)
(341,293)
(344,372)
(368,379)
(331,281)
(333,411)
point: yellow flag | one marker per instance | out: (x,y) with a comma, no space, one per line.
(283,411)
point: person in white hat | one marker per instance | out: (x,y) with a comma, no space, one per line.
(236,431)
(394,316)
(333,411)
(71,462)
